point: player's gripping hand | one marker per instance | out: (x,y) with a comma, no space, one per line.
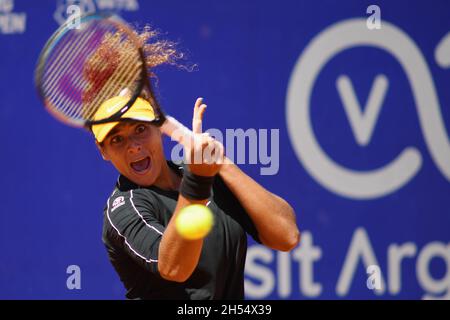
(204,154)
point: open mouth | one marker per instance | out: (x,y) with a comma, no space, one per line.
(142,165)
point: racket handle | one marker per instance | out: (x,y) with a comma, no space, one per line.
(177,131)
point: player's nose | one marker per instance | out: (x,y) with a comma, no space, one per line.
(134,146)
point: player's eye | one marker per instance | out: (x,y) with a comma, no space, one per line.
(116,139)
(141,129)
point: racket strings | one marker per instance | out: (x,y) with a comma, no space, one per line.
(99,67)
(120,80)
(86,68)
(63,80)
(124,70)
(64,62)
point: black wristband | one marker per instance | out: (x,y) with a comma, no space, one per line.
(196,187)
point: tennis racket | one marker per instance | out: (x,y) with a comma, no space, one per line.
(83,65)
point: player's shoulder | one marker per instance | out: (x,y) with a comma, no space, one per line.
(118,199)
(129,199)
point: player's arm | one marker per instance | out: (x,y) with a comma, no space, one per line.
(135,228)
(179,257)
(272,216)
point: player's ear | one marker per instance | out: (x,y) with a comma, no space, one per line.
(102,151)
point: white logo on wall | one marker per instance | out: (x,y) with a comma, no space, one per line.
(263,279)
(86,6)
(391,177)
(11,22)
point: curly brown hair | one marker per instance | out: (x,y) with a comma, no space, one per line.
(116,56)
(159,52)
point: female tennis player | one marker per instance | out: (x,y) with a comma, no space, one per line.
(151,258)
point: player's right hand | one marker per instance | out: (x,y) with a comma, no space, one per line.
(204,154)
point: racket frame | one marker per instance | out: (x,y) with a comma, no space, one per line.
(143,84)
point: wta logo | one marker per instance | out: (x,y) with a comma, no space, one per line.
(381,181)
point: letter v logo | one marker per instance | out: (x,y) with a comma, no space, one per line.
(362,121)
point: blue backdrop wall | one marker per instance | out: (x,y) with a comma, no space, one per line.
(364,156)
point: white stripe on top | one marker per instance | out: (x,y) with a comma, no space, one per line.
(139,214)
(126,242)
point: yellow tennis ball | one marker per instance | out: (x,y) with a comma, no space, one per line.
(194,221)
